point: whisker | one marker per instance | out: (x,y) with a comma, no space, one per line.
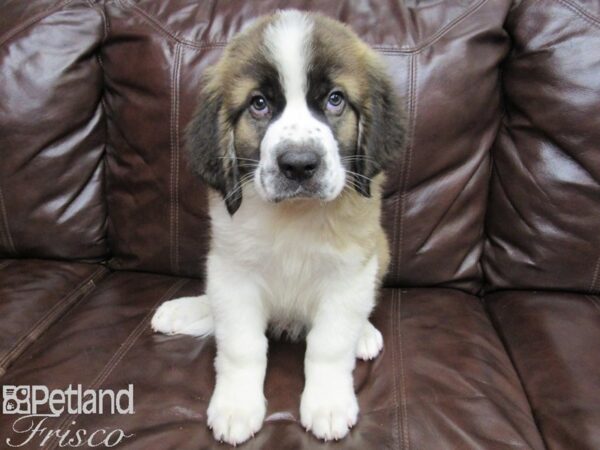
(359,175)
(233,192)
(358,157)
(245,180)
(351,184)
(355,158)
(238,158)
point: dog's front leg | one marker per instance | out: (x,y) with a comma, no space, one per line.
(329,407)
(237,407)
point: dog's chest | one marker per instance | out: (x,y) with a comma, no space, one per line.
(295,259)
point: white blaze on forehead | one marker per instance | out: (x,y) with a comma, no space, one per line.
(287,40)
(288,47)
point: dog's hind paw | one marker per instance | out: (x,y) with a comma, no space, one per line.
(185,315)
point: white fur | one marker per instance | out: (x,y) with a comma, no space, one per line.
(275,265)
(185,315)
(269,267)
(288,40)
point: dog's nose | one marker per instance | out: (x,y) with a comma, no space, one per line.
(298,165)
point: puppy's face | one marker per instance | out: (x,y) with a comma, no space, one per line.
(299,107)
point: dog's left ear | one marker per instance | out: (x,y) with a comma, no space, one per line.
(381,130)
(211,144)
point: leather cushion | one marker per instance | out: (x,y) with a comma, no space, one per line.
(553,339)
(33,295)
(52,131)
(442,381)
(543,224)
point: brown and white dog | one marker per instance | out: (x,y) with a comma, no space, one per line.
(295,124)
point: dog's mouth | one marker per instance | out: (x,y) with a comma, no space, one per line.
(276,188)
(299,193)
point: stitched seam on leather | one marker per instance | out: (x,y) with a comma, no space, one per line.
(5,229)
(595,277)
(177,162)
(394,325)
(50,317)
(117,357)
(581,12)
(157,26)
(396,250)
(406,163)
(405,435)
(174,169)
(594,302)
(382,48)
(435,37)
(102,12)
(32,21)
(198,45)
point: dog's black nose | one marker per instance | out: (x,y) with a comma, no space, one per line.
(298,165)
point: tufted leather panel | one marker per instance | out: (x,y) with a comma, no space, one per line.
(52,131)
(543,227)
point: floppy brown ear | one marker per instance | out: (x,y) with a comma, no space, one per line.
(381,131)
(211,145)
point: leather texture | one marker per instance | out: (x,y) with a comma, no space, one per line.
(436,193)
(52,131)
(454,389)
(543,226)
(496,194)
(34,294)
(553,340)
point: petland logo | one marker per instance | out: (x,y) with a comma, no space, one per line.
(36,403)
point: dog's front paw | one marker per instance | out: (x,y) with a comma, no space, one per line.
(185,315)
(234,415)
(329,412)
(370,343)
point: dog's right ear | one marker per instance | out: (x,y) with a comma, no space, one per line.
(210,142)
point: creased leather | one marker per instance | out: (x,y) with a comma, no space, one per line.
(34,294)
(442,381)
(52,131)
(543,226)
(552,338)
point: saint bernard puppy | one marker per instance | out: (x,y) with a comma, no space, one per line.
(296,123)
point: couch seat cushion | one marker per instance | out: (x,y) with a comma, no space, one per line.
(442,381)
(33,295)
(554,341)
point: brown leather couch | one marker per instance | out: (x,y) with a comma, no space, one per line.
(491,308)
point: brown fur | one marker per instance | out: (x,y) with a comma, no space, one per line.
(369,131)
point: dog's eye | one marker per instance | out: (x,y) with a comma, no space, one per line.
(335,102)
(259,107)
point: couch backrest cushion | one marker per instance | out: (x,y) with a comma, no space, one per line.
(443,57)
(51,131)
(543,227)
